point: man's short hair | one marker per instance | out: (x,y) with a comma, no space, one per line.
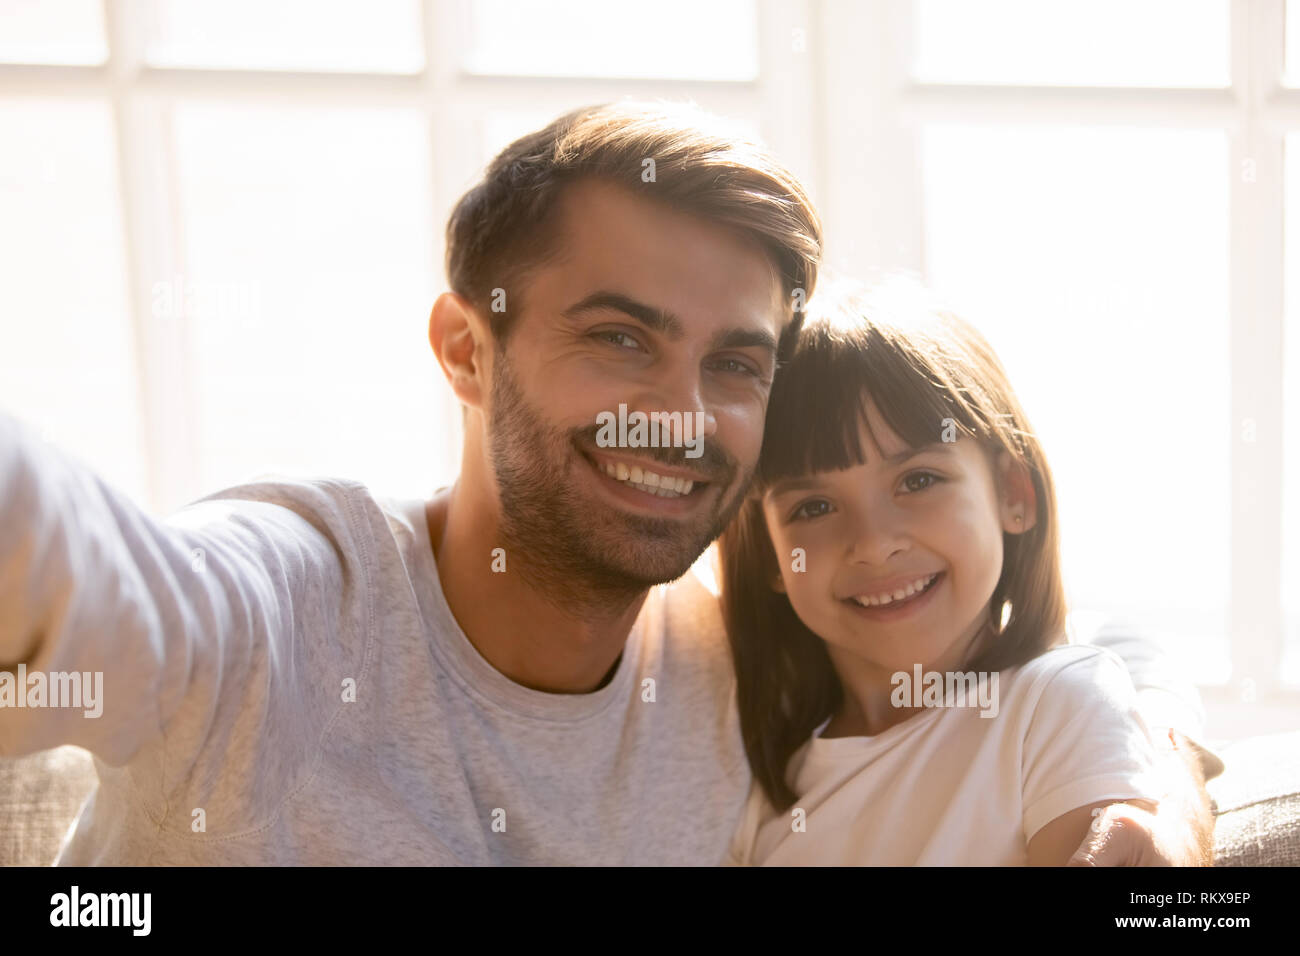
(504,227)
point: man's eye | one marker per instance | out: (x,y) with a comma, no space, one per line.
(735,367)
(810,509)
(920,480)
(613,337)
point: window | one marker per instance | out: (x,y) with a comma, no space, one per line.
(507,37)
(382,36)
(1152,43)
(36,32)
(68,364)
(1094,260)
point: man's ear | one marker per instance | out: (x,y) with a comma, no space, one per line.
(1018,501)
(460,340)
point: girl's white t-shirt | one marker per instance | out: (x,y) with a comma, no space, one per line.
(949,787)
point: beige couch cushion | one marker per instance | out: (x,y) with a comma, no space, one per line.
(40,796)
(1258,798)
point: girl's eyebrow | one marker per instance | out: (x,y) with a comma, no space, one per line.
(787,485)
(907,453)
(805,482)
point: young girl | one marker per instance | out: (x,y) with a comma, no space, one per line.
(893,596)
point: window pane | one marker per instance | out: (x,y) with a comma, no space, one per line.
(670,39)
(327,35)
(308,282)
(1095,260)
(1291,420)
(67,365)
(1072,42)
(69,32)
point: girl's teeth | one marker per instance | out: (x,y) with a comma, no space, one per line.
(899,594)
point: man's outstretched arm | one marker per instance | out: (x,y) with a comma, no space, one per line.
(1180,830)
(169,619)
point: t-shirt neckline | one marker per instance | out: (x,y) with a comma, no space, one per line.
(448,642)
(819,746)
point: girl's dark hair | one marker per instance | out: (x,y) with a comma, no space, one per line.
(925,370)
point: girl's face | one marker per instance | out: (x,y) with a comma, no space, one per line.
(901,554)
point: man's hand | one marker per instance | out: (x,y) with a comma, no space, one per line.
(1179,831)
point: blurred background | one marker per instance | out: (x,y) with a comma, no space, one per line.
(221,234)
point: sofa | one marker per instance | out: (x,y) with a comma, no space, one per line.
(1257,800)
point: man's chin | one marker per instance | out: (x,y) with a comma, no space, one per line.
(637,569)
(644,556)
(653,551)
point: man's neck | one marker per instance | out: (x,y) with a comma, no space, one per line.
(522,633)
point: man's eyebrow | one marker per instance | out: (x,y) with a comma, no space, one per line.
(655,319)
(746,338)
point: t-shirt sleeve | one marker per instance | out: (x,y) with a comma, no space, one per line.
(1086,741)
(197,624)
(1167,696)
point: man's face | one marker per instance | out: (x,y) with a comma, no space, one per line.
(650,308)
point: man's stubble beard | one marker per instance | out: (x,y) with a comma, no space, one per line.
(582,553)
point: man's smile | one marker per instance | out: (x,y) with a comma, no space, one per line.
(649,485)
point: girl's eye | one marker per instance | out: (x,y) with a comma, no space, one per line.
(920,480)
(810,509)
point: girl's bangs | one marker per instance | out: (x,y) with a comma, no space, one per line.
(818,404)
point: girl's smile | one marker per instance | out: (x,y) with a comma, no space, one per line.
(885,604)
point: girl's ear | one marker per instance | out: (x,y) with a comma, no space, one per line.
(1018,502)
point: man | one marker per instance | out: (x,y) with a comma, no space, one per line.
(295,672)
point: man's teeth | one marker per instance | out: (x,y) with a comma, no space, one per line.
(898,594)
(647,481)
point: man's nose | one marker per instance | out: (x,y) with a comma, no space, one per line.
(682,391)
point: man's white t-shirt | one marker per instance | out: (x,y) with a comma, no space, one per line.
(950,787)
(285,683)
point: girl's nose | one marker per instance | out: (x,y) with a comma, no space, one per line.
(878,535)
